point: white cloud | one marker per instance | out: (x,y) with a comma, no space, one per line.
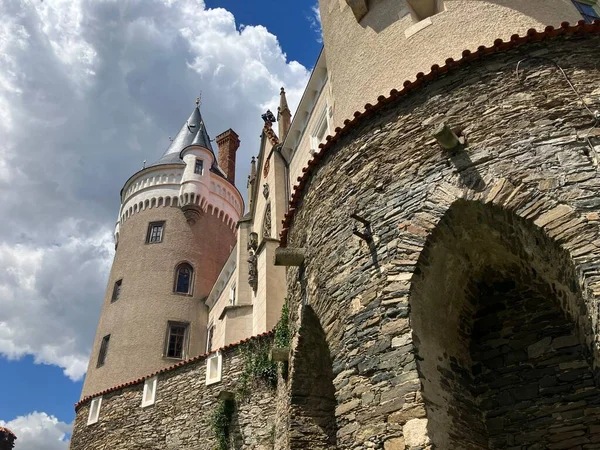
(37,431)
(315,21)
(88,90)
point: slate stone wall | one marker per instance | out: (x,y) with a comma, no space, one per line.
(407,317)
(180,417)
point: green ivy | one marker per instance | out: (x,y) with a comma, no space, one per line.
(256,367)
(282,329)
(220,420)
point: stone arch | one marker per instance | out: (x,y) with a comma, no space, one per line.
(312,394)
(502,334)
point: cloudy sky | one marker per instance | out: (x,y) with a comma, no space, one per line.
(89,89)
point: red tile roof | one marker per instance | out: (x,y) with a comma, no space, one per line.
(467,56)
(7,431)
(168,369)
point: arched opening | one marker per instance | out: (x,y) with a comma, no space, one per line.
(184,275)
(502,336)
(312,394)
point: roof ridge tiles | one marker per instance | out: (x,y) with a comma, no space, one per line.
(171,367)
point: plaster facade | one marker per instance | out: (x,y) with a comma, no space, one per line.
(379,40)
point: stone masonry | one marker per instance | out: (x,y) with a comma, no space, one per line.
(180,417)
(470,320)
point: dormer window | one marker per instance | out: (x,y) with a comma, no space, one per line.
(199,167)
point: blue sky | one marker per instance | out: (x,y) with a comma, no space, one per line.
(99,86)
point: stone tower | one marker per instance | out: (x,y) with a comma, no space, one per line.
(175,230)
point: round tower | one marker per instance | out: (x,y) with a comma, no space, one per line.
(175,230)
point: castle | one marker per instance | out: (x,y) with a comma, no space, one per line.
(430,262)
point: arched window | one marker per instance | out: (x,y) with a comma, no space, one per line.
(183,279)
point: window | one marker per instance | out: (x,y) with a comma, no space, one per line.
(155,232)
(176,340)
(320,130)
(183,279)
(209,337)
(103,350)
(587,10)
(149,392)
(117,290)
(232,295)
(199,166)
(214,366)
(94,410)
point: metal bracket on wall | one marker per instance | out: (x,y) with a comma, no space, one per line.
(367,235)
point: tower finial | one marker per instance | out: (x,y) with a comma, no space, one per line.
(284,116)
(197,101)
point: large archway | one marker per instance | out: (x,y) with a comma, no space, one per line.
(502,335)
(312,394)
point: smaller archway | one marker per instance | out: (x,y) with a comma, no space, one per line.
(184,275)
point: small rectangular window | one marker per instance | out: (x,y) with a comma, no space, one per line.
(94,410)
(155,232)
(117,290)
(214,367)
(209,337)
(176,340)
(199,167)
(149,394)
(587,11)
(103,350)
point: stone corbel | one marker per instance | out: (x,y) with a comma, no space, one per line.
(359,8)
(289,256)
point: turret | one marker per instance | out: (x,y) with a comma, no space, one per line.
(176,229)
(284,116)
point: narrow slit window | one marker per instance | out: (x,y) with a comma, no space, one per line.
(183,279)
(209,337)
(155,232)
(103,350)
(232,295)
(176,340)
(117,290)
(199,167)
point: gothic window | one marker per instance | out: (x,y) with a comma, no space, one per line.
(176,340)
(103,350)
(155,232)
(199,167)
(117,290)
(183,279)
(587,10)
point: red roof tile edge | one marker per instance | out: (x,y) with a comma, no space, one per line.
(174,366)
(6,430)
(467,56)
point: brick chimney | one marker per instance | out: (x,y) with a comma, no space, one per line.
(228,143)
(7,439)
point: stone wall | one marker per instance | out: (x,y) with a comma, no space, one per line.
(180,417)
(483,262)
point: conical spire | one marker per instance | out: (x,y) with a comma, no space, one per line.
(193,131)
(284,116)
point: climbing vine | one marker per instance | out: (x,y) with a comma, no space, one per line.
(282,329)
(256,367)
(220,420)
